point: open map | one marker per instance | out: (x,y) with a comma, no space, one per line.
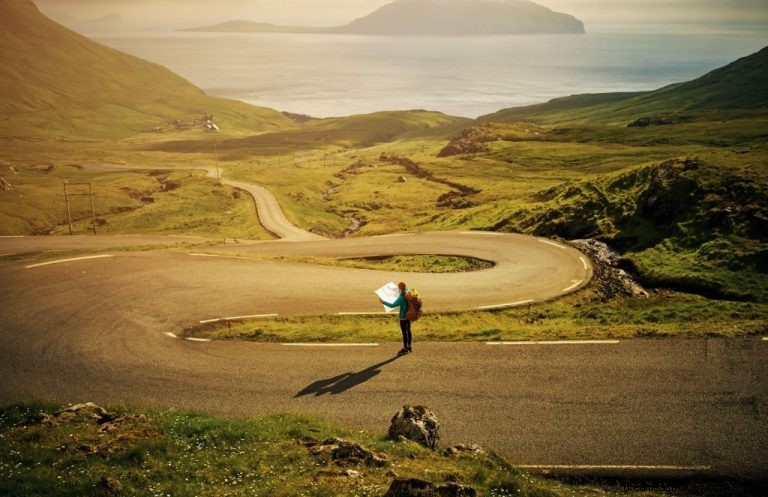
(388,293)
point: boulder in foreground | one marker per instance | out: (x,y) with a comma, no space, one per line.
(418,424)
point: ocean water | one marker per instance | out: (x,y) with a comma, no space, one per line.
(336,75)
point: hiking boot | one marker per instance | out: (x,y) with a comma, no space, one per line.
(403,351)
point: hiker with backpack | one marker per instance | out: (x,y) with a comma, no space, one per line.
(409,305)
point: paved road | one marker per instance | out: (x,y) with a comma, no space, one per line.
(271,215)
(644,402)
(209,282)
(94,329)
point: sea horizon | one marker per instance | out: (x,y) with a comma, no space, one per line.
(325,75)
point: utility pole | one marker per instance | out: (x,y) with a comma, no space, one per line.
(216,154)
(69,212)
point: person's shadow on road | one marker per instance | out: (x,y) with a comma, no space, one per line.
(344,382)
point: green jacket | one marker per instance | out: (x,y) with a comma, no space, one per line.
(399,302)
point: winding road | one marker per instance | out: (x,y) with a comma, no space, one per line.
(102,327)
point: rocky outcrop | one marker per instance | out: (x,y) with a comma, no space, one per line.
(644,122)
(413,487)
(110,485)
(298,118)
(88,412)
(458,450)
(670,191)
(470,141)
(343,453)
(416,423)
(609,278)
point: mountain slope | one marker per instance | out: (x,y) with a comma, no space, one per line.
(739,85)
(56,82)
(436,18)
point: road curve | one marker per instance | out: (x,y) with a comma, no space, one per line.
(526,269)
(268,209)
(97,329)
(234,280)
(271,215)
(103,329)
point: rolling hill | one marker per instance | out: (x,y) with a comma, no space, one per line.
(739,85)
(57,83)
(435,18)
(362,130)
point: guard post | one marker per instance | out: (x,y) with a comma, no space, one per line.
(77,193)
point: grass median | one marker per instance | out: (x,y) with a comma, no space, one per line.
(583,316)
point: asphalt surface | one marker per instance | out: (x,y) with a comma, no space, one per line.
(97,330)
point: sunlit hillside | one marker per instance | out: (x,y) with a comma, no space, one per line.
(55,82)
(739,85)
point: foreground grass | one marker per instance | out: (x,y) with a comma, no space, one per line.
(168,453)
(581,316)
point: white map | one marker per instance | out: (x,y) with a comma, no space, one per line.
(388,293)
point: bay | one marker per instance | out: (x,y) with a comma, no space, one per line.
(337,75)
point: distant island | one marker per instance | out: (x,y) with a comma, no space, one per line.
(434,18)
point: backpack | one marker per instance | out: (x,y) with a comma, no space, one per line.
(414,305)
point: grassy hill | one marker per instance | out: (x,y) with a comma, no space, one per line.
(689,224)
(684,198)
(355,131)
(739,85)
(57,83)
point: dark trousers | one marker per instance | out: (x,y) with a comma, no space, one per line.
(405,327)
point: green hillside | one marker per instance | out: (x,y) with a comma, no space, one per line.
(57,83)
(355,131)
(684,223)
(739,85)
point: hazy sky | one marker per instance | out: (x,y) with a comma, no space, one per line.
(332,12)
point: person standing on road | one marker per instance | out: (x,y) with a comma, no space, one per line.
(405,324)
